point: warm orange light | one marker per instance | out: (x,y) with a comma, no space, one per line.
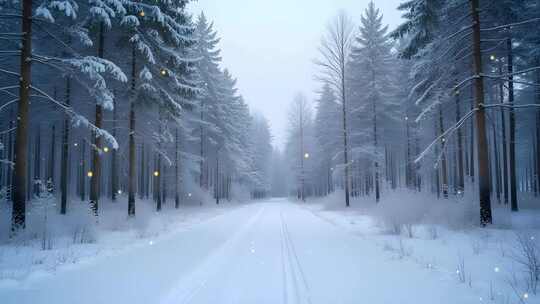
(141,14)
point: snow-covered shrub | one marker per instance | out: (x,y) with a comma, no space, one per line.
(527,254)
(460,269)
(399,212)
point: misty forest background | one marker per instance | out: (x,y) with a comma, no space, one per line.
(128,104)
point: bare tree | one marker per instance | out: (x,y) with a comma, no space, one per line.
(300,118)
(334,53)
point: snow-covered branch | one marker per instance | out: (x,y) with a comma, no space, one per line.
(506,26)
(79,119)
(8,103)
(10,73)
(447,133)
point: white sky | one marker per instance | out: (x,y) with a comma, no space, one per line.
(269,45)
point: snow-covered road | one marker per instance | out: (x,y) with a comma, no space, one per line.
(269,252)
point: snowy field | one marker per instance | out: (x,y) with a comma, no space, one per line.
(489,264)
(276,251)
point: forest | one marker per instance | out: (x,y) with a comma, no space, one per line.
(446,104)
(121,100)
(124,136)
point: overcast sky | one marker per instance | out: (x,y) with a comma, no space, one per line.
(269,45)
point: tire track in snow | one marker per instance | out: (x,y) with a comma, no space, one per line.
(303,294)
(198,279)
(283,268)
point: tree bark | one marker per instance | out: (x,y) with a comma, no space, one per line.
(444,168)
(37,182)
(345,135)
(176,173)
(18,216)
(65,153)
(513,179)
(201,152)
(158,183)
(461,174)
(504,142)
(83,170)
(114,169)
(96,151)
(482,145)
(537,176)
(375,144)
(497,167)
(216,183)
(132,179)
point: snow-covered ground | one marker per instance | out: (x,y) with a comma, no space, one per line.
(58,241)
(489,263)
(279,251)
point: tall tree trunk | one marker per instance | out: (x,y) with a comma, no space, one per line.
(513,179)
(538,130)
(158,165)
(504,140)
(65,153)
(461,174)
(534,174)
(37,163)
(157,183)
(444,169)
(52,160)
(18,216)
(201,152)
(176,173)
(132,179)
(482,146)
(375,145)
(471,147)
(216,183)
(408,167)
(164,185)
(497,167)
(418,177)
(3,155)
(345,132)
(83,170)
(436,181)
(114,169)
(96,151)
(142,173)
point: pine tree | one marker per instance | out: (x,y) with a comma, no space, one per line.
(372,77)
